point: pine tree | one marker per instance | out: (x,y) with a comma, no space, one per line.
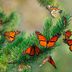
(7,23)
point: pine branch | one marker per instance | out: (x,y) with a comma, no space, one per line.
(47,28)
(10,22)
(61,25)
(46,2)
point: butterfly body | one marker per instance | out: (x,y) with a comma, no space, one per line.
(47,43)
(32,50)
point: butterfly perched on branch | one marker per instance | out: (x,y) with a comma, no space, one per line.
(47,43)
(32,50)
(55,12)
(50,60)
(67,34)
(10,35)
(69,42)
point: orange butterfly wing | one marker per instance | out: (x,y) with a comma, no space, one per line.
(37,50)
(50,44)
(11,39)
(51,61)
(40,36)
(41,39)
(69,42)
(70,48)
(54,38)
(10,36)
(52,41)
(67,34)
(30,51)
(43,43)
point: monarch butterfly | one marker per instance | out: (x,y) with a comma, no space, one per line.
(67,34)
(50,60)
(69,42)
(47,43)
(32,50)
(10,36)
(55,12)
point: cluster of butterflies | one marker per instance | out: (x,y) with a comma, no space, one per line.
(43,42)
(35,50)
(54,11)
